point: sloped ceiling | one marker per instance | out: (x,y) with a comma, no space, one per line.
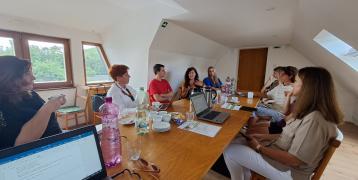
(88,15)
(339,18)
(233,23)
(174,38)
(239,23)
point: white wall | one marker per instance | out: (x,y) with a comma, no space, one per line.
(178,48)
(286,55)
(76,37)
(176,64)
(174,38)
(128,43)
(228,65)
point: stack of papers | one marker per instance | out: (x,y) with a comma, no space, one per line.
(230,106)
(200,128)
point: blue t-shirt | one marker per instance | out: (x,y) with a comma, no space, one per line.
(14,116)
(209,83)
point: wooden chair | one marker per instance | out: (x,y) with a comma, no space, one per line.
(333,145)
(75,112)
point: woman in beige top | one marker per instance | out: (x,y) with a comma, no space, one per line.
(298,150)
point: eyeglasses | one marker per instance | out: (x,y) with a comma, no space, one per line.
(146,166)
(130,173)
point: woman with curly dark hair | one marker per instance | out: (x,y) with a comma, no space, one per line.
(191,83)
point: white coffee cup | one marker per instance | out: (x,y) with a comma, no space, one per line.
(157,118)
(250,95)
(166,117)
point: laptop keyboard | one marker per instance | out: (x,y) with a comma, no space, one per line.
(211,115)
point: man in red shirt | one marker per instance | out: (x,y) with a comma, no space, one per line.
(159,88)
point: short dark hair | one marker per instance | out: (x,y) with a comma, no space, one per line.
(278,68)
(291,71)
(118,70)
(157,67)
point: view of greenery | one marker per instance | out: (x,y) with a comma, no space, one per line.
(48,61)
(96,69)
(6,47)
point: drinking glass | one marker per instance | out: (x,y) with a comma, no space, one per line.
(190,116)
(134,149)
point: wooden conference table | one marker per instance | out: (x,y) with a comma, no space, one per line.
(182,154)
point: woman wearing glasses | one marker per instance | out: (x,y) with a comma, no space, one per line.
(122,94)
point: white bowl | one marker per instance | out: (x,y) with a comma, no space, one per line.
(161,126)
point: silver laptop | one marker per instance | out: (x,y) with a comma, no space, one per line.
(203,111)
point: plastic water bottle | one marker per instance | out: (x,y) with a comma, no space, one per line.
(232,86)
(141,122)
(191,103)
(110,139)
(228,85)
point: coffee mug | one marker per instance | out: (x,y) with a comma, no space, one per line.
(166,117)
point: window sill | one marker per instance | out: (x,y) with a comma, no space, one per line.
(52,89)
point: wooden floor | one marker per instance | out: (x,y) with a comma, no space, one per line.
(343,165)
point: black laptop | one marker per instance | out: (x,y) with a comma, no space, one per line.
(203,111)
(72,155)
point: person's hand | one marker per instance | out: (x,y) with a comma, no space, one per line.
(53,104)
(259,137)
(289,93)
(253,143)
(198,83)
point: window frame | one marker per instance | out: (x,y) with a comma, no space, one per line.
(84,61)
(17,41)
(22,50)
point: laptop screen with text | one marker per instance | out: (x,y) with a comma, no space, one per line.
(75,157)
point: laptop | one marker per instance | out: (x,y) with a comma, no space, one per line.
(71,155)
(203,111)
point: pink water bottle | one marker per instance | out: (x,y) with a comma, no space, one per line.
(110,139)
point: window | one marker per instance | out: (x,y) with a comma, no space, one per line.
(49,56)
(7,46)
(95,63)
(339,48)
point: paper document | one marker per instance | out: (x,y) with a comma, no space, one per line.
(230,106)
(200,128)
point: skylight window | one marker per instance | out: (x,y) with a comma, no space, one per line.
(339,48)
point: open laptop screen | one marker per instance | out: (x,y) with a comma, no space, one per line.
(199,102)
(73,157)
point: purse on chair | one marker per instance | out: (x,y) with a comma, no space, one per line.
(97,101)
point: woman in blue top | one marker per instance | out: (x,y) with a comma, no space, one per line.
(24,116)
(212,80)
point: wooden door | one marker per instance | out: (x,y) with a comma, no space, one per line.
(252,69)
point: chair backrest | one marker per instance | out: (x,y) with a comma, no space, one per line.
(333,145)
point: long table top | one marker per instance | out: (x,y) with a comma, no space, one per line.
(182,154)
